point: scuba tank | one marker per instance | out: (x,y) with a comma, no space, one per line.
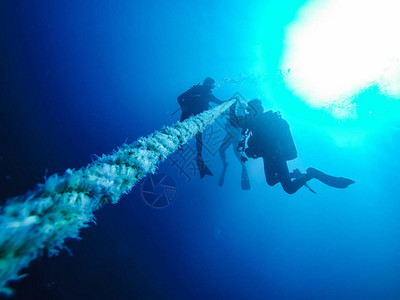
(270,135)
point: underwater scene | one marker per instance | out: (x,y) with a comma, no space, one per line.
(199,149)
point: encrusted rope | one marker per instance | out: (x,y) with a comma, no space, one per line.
(57,209)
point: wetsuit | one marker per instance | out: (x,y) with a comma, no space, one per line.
(193,102)
(196,100)
(275,145)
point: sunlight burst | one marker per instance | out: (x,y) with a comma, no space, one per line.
(335,49)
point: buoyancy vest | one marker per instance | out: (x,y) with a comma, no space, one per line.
(270,136)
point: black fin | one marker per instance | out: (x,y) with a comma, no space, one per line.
(337,182)
(311,190)
(204,170)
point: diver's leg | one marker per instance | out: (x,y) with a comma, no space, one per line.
(296,173)
(270,172)
(199,145)
(284,176)
(204,170)
(224,146)
(222,153)
(238,154)
(245,182)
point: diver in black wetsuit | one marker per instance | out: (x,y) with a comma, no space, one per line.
(269,137)
(193,102)
(233,128)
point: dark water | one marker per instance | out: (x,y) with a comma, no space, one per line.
(80,78)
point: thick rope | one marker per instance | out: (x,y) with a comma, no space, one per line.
(57,209)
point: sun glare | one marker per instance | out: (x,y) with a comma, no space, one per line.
(335,49)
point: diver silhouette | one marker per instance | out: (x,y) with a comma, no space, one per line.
(269,137)
(193,102)
(233,128)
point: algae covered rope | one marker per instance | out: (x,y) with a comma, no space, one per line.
(57,209)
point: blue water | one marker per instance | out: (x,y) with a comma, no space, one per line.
(81,78)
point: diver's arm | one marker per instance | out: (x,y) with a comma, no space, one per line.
(215,99)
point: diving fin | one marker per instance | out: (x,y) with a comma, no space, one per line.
(337,182)
(222,178)
(203,169)
(311,190)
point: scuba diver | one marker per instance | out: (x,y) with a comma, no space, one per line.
(233,128)
(268,136)
(193,102)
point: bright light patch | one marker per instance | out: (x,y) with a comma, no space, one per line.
(335,49)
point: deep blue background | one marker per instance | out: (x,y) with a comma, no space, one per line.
(80,78)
